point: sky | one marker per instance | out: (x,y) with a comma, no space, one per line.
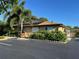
(59,11)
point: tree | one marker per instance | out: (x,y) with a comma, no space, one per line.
(69,27)
(25,16)
(3,28)
(16,10)
(34,18)
(76,27)
(43,19)
(18,14)
(11,9)
(5,5)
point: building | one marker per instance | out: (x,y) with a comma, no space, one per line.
(38,26)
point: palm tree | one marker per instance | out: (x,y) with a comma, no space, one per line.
(5,5)
(13,15)
(11,21)
(25,16)
(19,15)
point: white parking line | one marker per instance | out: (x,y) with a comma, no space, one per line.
(5,44)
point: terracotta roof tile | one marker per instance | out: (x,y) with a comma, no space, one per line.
(46,23)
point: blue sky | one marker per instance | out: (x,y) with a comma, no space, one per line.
(60,11)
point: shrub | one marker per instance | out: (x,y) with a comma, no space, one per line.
(59,36)
(77,34)
(37,36)
(46,35)
(51,36)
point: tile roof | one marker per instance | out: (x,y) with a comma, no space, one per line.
(46,23)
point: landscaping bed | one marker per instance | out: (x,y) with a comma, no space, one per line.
(47,35)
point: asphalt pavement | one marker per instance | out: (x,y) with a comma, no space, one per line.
(38,49)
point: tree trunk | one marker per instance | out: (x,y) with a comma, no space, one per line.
(22,26)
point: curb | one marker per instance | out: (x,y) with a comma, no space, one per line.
(22,39)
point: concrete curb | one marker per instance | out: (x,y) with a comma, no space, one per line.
(22,39)
(69,39)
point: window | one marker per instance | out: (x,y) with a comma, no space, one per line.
(50,28)
(35,29)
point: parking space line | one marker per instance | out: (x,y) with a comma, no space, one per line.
(5,44)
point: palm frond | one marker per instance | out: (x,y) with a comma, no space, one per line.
(22,3)
(27,12)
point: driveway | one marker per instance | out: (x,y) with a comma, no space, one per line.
(37,49)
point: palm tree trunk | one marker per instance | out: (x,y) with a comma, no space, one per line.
(22,26)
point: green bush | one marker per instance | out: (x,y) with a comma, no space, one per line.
(51,36)
(46,35)
(59,36)
(77,34)
(37,36)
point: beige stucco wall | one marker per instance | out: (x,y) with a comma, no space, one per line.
(27,29)
(41,28)
(61,29)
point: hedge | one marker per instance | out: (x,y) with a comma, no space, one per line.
(46,35)
(77,34)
